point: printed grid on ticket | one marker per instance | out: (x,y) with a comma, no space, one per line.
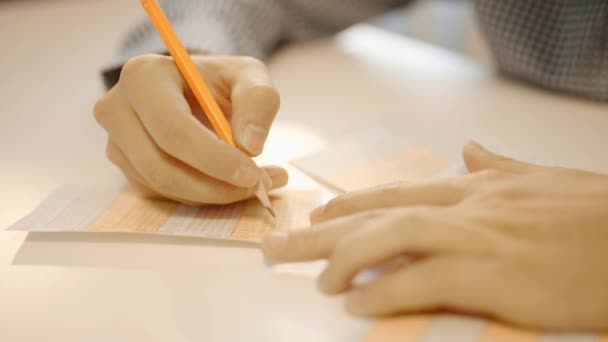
(123,210)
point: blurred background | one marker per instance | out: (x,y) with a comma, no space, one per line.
(447,23)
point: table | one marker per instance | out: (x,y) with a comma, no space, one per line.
(67,287)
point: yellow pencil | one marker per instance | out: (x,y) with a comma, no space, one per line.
(196,83)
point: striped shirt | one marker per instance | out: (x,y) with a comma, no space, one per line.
(558,44)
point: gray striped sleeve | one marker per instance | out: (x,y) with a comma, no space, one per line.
(245,27)
(558,44)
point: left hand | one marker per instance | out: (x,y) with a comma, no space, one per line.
(524,243)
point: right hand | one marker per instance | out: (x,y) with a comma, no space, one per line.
(160,138)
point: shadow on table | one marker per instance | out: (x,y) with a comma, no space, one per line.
(139,251)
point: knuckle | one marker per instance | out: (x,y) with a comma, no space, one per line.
(407,224)
(380,197)
(249,61)
(137,66)
(112,154)
(353,202)
(455,189)
(510,192)
(490,174)
(345,205)
(453,184)
(109,106)
(101,109)
(377,218)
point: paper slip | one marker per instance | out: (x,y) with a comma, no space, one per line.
(369,158)
(123,210)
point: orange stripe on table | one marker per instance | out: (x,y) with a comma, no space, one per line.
(130,212)
(401,329)
(496,332)
(603,338)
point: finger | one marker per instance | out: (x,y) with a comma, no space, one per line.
(278,176)
(255,103)
(136,181)
(316,242)
(155,90)
(118,158)
(478,158)
(442,192)
(165,174)
(417,231)
(433,283)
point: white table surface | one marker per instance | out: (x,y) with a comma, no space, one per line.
(81,287)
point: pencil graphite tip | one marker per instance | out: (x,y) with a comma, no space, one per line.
(271,211)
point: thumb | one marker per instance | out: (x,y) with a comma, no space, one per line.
(255,103)
(478,158)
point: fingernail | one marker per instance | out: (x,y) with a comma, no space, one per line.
(317,213)
(253,137)
(275,243)
(246,176)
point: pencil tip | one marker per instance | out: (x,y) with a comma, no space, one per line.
(271,211)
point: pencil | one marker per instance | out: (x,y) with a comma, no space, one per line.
(196,83)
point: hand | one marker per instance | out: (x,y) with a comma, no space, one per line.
(524,243)
(160,138)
